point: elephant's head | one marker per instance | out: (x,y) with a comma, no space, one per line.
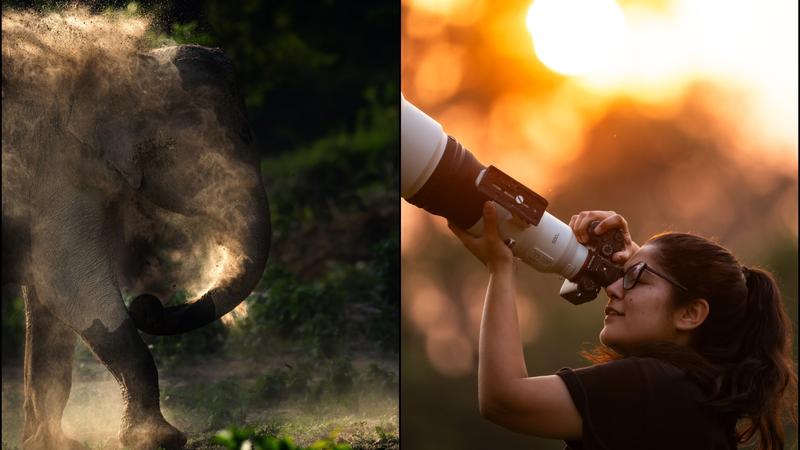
(196,160)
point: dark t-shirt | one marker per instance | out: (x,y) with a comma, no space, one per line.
(643,403)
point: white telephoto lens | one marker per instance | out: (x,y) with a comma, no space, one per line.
(422,143)
(549,247)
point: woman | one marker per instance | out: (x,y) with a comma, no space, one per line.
(693,344)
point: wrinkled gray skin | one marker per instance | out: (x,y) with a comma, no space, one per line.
(81,218)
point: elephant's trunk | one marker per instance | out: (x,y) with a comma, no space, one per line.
(150,316)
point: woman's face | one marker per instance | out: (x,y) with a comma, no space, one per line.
(642,314)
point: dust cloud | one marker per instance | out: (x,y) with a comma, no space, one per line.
(95,101)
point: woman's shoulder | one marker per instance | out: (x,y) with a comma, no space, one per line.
(653,374)
(637,364)
(654,366)
(662,379)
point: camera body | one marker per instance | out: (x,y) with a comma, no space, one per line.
(442,177)
(600,271)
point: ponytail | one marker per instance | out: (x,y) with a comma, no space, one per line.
(763,383)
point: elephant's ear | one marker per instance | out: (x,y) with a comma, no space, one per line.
(121,137)
(109,121)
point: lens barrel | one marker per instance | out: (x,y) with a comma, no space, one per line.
(450,191)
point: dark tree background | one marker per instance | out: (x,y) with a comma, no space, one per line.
(307,63)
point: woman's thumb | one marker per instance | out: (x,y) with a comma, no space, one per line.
(620,257)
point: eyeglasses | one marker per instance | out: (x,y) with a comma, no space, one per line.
(634,272)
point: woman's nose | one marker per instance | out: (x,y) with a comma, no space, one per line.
(614,290)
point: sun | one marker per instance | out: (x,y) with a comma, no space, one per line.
(573,37)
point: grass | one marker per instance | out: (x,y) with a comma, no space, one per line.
(290,394)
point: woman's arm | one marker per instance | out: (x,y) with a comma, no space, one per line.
(539,406)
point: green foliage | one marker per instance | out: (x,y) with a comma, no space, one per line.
(385,328)
(188,33)
(315,380)
(341,172)
(304,65)
(13,322)
(334,205)
(350,302)
(211,405)
(234,438)
(308,384)
(377,378)
(386,439)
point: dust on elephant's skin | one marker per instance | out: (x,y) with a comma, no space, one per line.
(126,171)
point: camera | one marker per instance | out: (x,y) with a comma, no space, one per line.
(442,177)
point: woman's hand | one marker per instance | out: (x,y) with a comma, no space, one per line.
(489,248)
(609,220)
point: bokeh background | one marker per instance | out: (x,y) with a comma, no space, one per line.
(317,350)
(679,114)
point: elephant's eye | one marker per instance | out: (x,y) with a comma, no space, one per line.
(151,150)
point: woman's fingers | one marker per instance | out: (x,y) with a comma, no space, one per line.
(612,222)
(490,221)
(467,239)
(584,219)
(457,231)
(617,222)
(488,248)
(608,220)
(491,233)
(621,256)
(580,223)
(574,223)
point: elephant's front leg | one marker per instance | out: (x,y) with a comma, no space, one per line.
(49,349)
(126,356)
(73,256)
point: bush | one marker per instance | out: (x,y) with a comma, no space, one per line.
(314,380)
(13,322)
(343,171)
(234,438)
(352,302)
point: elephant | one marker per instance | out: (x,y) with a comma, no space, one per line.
(128,172)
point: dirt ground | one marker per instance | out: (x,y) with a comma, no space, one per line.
(202,398)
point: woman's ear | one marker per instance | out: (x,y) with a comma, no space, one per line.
(691,316)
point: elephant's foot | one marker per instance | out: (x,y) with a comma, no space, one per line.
(151,434)
(43,439)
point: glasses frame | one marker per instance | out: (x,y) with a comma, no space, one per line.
(642,266)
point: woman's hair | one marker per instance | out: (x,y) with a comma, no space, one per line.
(741,354)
